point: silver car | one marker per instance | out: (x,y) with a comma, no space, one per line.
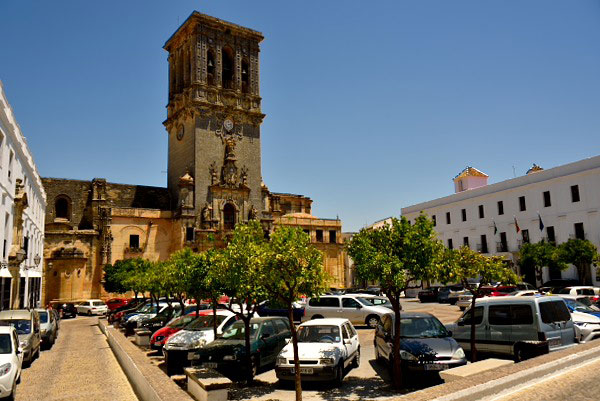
(48,327)
(27,324)
(352,307)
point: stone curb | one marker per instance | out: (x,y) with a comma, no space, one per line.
(148,381)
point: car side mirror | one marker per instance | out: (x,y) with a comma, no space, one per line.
(460,322)
(265,335)
(449,333)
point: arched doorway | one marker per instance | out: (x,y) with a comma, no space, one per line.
(229,216)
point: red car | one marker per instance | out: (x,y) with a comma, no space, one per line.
(159,337)
(115,303)
(499,291)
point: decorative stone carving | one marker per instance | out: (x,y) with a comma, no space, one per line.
(244,176)
(206,216)
(252,214)
(214,179)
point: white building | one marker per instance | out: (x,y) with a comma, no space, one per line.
(22,210)
(566,199)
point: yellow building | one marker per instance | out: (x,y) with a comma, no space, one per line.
(215,181)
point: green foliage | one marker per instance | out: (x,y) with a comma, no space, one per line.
(536,256)
(397,255)
(582,254)
(113,282)
(463,264)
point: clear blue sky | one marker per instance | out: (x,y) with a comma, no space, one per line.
(371,105)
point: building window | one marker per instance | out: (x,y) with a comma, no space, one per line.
(10,163)
(547,201)
(450,245)
(210,67)
(307,232)
(579,233)
(575,193)
(61,208)
(464,214)
(134,241)
(500,208)
(319,235)
(26,246)
(550,234)
(525,234)
(484,247)
(228,65)
(4,250)
(503,245)
(481,212)
(22,292)
(466,241)
(333,236)
(245,76)
(189,233)
(448,221)
(522,206)
(433,219)
(229,216)
(5,293)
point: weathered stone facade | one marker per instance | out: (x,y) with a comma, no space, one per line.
(214,173)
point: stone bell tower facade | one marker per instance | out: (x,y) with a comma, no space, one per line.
(213,122)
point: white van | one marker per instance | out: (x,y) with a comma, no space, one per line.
(352,307)
(522,327)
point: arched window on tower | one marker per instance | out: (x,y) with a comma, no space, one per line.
(210,67)
(228,68)
(245,76)
(229,216)
(62,208)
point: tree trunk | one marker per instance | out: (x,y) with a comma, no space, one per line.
(214,308)
(297,377)
(397,367)
(249,375)
(473,348)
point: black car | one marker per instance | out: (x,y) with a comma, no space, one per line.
(429,294)
(444,292)
(64,309)
(553,286)
(270,308)
(164,317)
(227,354)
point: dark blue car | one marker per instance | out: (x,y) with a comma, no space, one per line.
(268,308)
(576,305)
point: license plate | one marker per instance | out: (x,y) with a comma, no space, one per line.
(192,356)
(554,342)
(306,371)
(436,366)
(209,365)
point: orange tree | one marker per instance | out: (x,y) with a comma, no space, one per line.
(399,256)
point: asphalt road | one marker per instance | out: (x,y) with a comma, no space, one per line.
(80,366)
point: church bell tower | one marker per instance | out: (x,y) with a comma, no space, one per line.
(213,122)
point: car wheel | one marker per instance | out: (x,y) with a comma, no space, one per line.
(339,374)
(356,361)
(255,365)
(520,353)
(372,321)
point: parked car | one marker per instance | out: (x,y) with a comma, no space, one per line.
(115,303)
(580,303)
(585,318)
(464,300)
(592,292)
(445,292)
(160,336)
(455,294)
(425,344)
(352,307)
(327,349)
(180,347)
(525,293)
(91,307)
(48,327)
(134,321)
(56,317)
(119,313)
(27,325)
(379,301)
(268,336)
(64,309)
(521,327)
(270,308)
(428,294)
(11,359)
(148,309)
(555,285)
(161,319)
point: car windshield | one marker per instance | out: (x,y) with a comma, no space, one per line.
(146,308)
(422,327)
(43,317)
(182,321)
(5,344)
(319,334)
(237,331)
(364,301)
(587,302)
(578,306)
(22,326)
(204,322)
(98,303)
